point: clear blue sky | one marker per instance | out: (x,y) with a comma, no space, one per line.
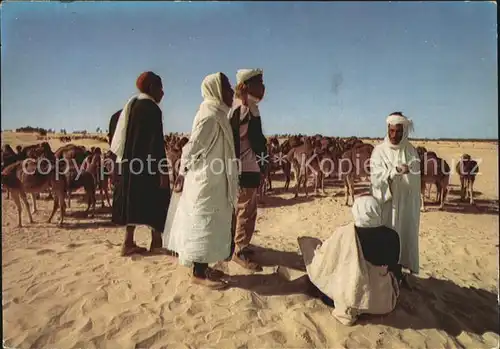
(332,68)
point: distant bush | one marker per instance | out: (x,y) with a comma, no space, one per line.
(29,129)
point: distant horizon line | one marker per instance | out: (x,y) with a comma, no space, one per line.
(470,139)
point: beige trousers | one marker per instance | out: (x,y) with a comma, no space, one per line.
(245,218)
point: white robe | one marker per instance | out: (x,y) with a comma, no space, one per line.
(201,227)
(399,195)
(338,268)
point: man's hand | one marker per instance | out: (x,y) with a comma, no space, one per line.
(179,184)
(403,169)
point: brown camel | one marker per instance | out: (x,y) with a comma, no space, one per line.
(30,176)
(467,169)
(354,164)
(434,170)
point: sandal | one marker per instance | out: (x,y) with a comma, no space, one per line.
(214,274)
(132,249)
(161,250)
(212,284)
(243,260)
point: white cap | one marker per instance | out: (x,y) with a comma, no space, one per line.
(243,75)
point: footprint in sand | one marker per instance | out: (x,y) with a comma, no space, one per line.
(213,336)
(179,323)
(177,305)
(45,251)
(120,292)
(196,296)
(150,340)
(195,308)
(74,245)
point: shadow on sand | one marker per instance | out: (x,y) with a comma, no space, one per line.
(442,305)
(89,225)
(276,201)
(431,304)
(455,205)
(457,192)
(82,214)
(268,257)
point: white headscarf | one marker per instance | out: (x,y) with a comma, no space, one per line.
(213,106)
(407,129)
(367,212)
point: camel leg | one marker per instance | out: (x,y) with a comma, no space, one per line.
(306,179)
(346,190)
(316,183)
(351,189)
(298,176)
(35,210)
(297,185)
(17,201)
(462,188)
(323,184)
(99,184)
(422,197)
(63,208)
(54,208)
(471,192)
(24,198)
(438,192)
(93,202)
(444,192)
(69,198)
(88,196)
(287,172)
(106,193)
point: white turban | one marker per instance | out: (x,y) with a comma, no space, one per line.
(367,212)
(243,75)
(396,119)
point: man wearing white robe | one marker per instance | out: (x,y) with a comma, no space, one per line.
(208,179)
(356,282)
(395,182)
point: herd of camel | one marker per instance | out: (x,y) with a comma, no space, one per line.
(316,156)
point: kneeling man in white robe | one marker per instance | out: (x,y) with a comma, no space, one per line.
(356,268)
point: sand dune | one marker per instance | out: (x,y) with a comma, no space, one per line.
(69,288)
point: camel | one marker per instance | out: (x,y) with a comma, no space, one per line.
(69,156)
(354,164)
(75,181)
(434,170)
(174,152)
(94,164)
(8,157)
(421,151)
(467,169)
(72,152)
(277,161)
(303,160)
(24,177)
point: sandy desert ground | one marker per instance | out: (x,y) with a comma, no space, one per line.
(69,288)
